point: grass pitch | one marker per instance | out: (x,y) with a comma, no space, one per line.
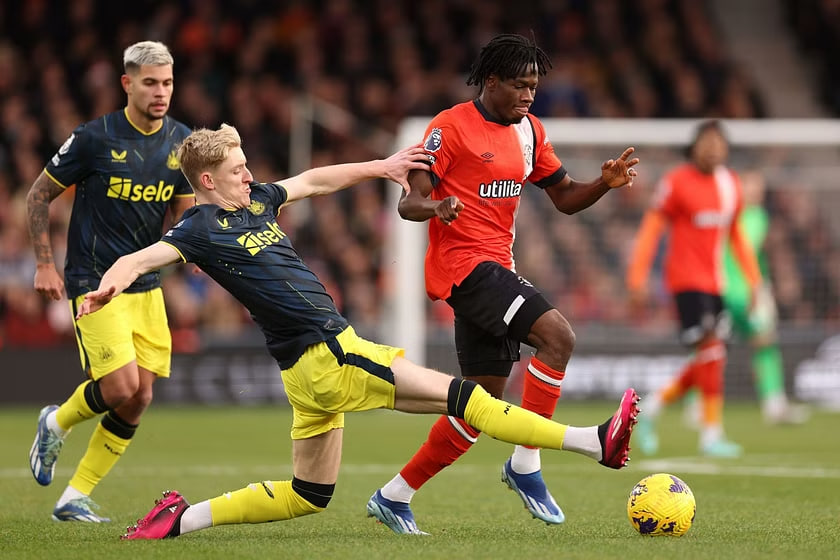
(781,500)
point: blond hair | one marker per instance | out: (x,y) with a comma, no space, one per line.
(204,149)
(151,53)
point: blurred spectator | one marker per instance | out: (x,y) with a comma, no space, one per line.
(816,25)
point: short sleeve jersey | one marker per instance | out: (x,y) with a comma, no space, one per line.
(124,181)
(485,163)
(701,209)
(247,253)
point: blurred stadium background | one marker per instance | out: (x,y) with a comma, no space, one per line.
(316,82)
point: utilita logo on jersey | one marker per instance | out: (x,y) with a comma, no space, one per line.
(506,188)
(711,219)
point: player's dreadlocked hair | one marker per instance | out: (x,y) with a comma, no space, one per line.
(507,56)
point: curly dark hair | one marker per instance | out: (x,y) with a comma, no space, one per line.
(508,56)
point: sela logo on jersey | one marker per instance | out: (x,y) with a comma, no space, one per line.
(710,219)
(123,189)
(506,188)
(256,242)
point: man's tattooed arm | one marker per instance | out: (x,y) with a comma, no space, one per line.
(44,190)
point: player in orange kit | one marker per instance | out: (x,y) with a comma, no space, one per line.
(482,153)
(699,202)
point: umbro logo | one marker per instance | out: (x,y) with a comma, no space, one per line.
(487,156)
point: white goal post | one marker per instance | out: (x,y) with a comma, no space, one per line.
(404,311)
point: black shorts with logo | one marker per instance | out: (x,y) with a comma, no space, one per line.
(494,311)
(701,313)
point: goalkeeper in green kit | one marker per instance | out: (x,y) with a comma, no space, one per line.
(757,323)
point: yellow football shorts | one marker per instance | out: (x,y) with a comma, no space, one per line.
(131,327)
(344,374)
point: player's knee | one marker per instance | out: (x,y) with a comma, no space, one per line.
(119,387)
(319,495)
(566,338)
(142,398)
(553,337)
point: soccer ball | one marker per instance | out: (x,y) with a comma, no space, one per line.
(661,504)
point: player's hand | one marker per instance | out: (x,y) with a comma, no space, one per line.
(448,209)
(48,282)
(619,172)
(398,165)
(96,300)
(761,299)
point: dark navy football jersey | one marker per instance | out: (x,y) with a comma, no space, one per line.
(247,253)
(124,181)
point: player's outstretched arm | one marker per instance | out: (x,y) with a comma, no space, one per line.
(332,178)
(124,272)
(645,245)
(570,196)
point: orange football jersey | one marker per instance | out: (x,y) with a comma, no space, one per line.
(701,210)
(485,164)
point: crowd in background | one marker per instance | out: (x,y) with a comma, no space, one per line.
(816,27)
(246,63)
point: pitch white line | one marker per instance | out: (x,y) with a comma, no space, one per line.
(694,465)
(691,465)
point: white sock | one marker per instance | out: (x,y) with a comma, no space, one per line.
(52,424)
(651,405)
(525,460)
(197,516)
(584,441)
(398,490)
(710,434)
(774,405)
(70,493)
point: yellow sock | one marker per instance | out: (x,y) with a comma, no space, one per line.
(260,502)
(104,450)
(76,409)
(507,422)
